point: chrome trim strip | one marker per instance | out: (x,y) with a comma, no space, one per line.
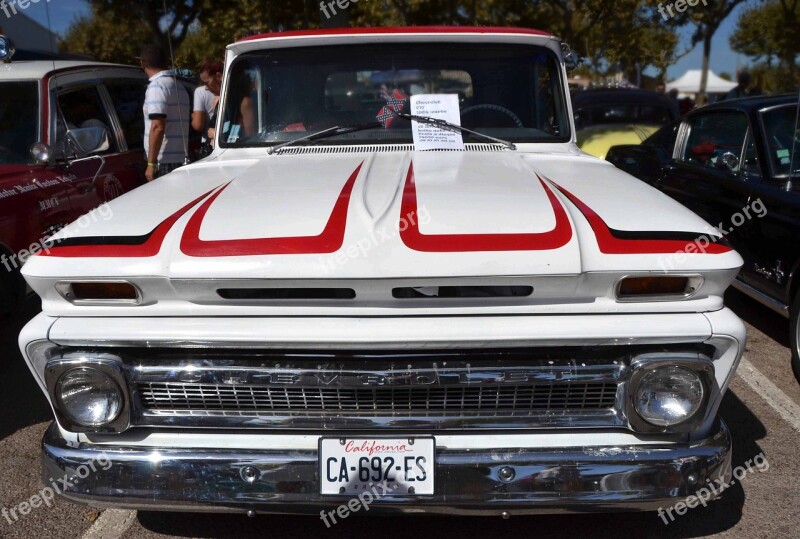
(571,479)
(761,297)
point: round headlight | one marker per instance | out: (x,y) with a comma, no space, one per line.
(670,395)
(89,397)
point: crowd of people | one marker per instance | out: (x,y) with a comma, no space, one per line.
(168,113)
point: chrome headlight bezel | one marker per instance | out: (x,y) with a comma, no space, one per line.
(698,364)
(7,46)
(107,364)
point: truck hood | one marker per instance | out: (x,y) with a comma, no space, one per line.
(385,215)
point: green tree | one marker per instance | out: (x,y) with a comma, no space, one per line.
(174,23)
(102,38)
(767,34)
(706,21)
(611,35)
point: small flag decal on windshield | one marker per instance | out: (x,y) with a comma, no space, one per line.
(395,102)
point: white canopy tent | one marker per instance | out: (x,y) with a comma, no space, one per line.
(689,83)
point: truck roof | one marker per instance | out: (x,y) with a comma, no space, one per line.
(399,30)
(38,69)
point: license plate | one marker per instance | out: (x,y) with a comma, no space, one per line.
(385,466)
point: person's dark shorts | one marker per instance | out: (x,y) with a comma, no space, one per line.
(165,168)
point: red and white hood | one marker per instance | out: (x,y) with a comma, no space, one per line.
(386,215)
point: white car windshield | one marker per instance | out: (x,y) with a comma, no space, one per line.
(512,92)
(18,116)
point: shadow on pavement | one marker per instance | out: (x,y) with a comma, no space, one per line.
(773,325)
(21,401)
(718,516)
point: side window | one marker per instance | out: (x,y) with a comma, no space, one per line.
(128,98)
(82,108)
(664,138)
(713,135)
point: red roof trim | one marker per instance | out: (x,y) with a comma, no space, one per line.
(494,30)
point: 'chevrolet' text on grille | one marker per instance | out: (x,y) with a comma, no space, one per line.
(338,377)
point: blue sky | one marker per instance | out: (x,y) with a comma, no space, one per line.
(63,12)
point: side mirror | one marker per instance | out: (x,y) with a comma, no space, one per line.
(41,153)
(571,60)
(88,140)
(729,162)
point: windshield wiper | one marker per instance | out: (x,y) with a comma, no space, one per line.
(447,126)
(327,133)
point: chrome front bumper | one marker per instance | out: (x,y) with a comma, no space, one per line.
(569,479)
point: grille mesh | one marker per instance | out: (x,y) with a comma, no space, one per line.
(380,148)
(422,400)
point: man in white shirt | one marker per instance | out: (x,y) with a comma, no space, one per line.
(206,97)
(167,113)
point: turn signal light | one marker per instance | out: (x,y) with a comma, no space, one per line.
(100,293)
(657,287)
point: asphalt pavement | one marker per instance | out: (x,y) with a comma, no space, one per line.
(762,409)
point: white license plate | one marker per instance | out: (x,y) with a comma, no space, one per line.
(385,466)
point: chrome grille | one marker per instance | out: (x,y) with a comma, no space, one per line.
(409,390)
(420,400)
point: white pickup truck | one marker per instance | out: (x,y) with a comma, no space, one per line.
(395,269)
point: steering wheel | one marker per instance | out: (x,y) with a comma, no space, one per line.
(496,108)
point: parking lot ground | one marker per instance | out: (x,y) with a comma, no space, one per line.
(762,504)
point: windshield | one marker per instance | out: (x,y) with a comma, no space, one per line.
(780,125)
(18,121)
(512,92)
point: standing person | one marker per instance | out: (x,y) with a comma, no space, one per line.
(741,88)
(206,98)
(167,112)
(674,102)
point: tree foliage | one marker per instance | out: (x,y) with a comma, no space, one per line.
(102,38)
(175,22)
(706,20)
(767,34)
(612,35)
(625,35)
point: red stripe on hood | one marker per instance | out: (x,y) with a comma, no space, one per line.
(149,246)
(329,241)
(461,243)
(609,244)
